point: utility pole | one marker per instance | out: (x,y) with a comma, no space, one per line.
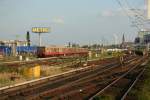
(148,9)
(40,40)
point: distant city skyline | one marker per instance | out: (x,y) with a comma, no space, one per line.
(75,21)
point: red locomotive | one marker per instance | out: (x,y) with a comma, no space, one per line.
(60,51)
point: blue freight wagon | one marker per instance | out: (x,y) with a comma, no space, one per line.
(26,50)
(5,50)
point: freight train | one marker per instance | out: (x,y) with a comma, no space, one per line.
(45,51)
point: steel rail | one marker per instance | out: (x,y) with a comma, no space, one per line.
(101,91)
(135,81)
(47,78)
(29,83)
(82,80)
(77,82)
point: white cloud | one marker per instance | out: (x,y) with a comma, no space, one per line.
(107,13)
(58,20)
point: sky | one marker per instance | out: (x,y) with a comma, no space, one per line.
(75,21)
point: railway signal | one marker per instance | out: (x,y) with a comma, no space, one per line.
(28,38)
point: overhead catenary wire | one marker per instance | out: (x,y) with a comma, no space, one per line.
(135,10)
(140,13)
(124,10)
(140,19)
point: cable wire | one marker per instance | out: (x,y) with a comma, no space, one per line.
(135,10)
(124,10)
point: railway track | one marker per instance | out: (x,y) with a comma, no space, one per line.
(47,61)
(77,82)
(80,90)
(119,88)
(124,96)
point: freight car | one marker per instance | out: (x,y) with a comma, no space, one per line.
(59,51)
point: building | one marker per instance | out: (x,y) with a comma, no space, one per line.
(137,40)
(146,38)
(142,35)
(12,42)
(123,45)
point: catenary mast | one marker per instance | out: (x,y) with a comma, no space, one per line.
(148,9)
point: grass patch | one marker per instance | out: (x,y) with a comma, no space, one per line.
(7,69)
